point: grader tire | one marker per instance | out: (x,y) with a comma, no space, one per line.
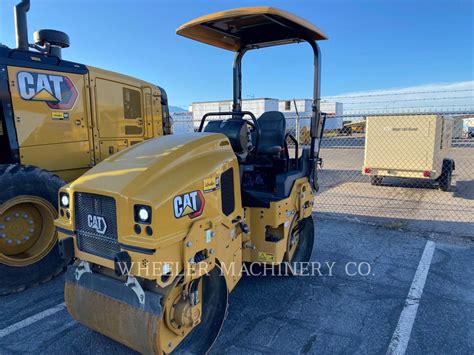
(35,190)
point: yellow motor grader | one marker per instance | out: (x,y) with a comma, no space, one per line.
(161,230)
(57,120)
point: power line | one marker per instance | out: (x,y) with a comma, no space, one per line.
(406,100)
(397,93)
(389,94)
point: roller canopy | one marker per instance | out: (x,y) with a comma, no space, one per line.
(251,27)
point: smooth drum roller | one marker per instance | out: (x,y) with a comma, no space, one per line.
(196,206)
(187,317)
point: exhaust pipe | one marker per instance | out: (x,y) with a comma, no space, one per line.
(21,27)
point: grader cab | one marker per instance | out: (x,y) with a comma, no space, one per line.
(160,231)
(57,120)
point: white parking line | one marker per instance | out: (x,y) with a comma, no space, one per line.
(31,320)
(401,336)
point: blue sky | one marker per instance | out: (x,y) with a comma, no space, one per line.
(373,45)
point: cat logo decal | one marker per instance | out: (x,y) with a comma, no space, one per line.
(57,91)
(190,204)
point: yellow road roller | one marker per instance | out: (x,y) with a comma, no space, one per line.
(161,231)
(57,120)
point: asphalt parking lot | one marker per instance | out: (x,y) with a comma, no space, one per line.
(340,311)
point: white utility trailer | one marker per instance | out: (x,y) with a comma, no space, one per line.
(409,146)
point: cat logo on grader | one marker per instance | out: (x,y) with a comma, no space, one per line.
(56,90)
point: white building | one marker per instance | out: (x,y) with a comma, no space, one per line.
(256,106)
(304,106)
(334,111)
(287,107)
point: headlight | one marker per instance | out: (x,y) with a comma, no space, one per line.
(142,214)
(64,199)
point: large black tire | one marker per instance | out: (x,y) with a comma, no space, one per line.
(446,176)
(17,180)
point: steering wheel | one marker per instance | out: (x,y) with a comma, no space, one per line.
(252,126)
(254,137)
(254,134)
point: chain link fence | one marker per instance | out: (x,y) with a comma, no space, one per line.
(408,166)
(399,167)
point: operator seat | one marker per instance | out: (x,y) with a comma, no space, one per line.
(272,133)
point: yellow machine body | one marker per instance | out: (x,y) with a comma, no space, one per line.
(162,230)
(107,113)
(169,175)
(153,174)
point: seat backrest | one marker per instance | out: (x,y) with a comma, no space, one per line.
(273,129)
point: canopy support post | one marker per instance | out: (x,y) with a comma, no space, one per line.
(237,97)
(317,125)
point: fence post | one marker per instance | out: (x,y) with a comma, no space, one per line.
(297,125)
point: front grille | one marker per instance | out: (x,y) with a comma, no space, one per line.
(96,224)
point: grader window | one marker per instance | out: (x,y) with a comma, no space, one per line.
(132,104)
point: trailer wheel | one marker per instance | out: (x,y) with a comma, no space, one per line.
(446,176)
(28,240)
(376,180)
